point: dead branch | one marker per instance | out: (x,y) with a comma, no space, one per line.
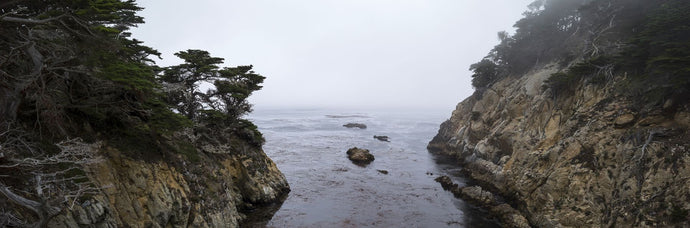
(646,143)
(30,21)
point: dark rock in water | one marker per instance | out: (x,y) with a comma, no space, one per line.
(382,171)
(382,138)
(446,183)
(509,216)
(359,156)
(355,125)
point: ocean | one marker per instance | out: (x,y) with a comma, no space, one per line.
(328,190)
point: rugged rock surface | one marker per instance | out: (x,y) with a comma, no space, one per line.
(213,191)
(355,125)
(509,216)
(360,156)
(382,138)
(591,159)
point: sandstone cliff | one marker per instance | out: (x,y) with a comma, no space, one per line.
(594,158)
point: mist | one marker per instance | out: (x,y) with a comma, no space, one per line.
(338,54)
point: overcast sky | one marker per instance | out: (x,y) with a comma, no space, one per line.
(344,53)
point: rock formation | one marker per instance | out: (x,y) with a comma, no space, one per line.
(382,138)
(591,160)
(359,156)
(582,118)
(508,216)
(213,190)
(355,125)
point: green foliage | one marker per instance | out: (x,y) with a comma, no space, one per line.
(163,120)
(135,75)
(485,73)
(231,87)
(250,132)
(658,58)
(188,150)
(595,69)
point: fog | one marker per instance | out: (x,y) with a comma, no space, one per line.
(338,54)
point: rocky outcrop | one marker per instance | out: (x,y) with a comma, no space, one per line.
(360,156)
(382,138)
(213,190)
(594,158)
(355,125)
(509,216)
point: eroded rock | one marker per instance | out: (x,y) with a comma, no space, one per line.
(507,215)
(573,160)
(360,156)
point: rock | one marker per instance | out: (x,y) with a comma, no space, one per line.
(624,120)
(478,195)
(446,182)
(355,125)
(507,215)
(571,161)
(382,138)
(359,156)
(382,171)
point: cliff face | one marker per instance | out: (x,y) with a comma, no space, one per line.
(212,191)
(590,159)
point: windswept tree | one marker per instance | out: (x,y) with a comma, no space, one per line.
(199,88)
(67,69)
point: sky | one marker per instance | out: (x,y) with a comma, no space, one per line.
(338,53)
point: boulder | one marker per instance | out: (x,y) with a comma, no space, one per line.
(382,138)
(355,125)
(624,120)
(360,156)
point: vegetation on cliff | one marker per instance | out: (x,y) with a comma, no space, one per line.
(645,41)
(582,117)
(72,80)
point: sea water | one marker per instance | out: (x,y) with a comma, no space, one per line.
(327,190)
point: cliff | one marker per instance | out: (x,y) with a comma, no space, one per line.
(214,189)
(581,118)
(94,134)
(591,159)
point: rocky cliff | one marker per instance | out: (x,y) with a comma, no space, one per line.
(214,189)
(593,158)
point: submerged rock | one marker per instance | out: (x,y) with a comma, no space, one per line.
(360,156)
(355,125)
(382,138)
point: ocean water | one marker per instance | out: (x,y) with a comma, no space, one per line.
(328,190)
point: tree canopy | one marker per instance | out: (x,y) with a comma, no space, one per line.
(647,40)
(72,79)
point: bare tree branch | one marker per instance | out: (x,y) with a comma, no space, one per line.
(30,21)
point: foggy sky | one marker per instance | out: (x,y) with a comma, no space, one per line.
(343,54)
